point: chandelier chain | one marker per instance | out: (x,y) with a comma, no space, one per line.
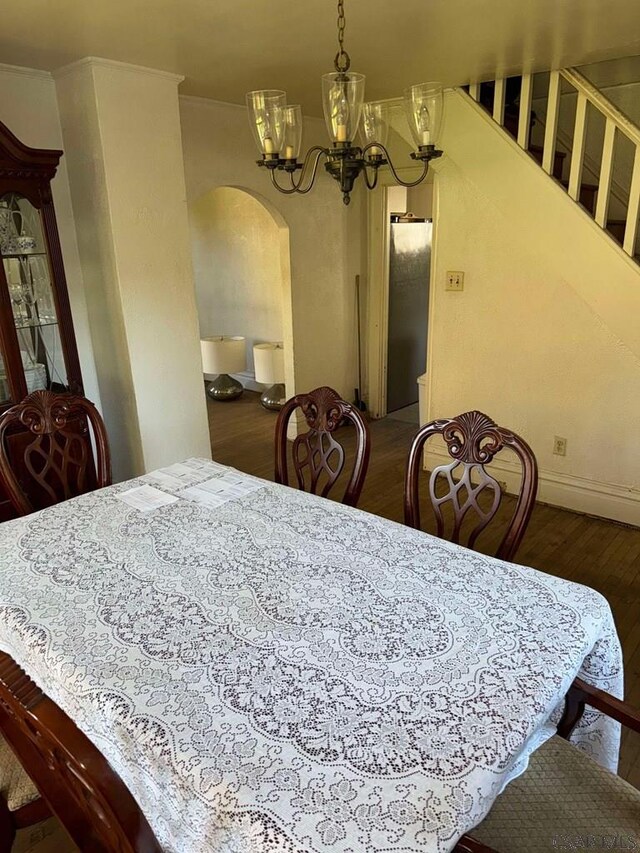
(342,60)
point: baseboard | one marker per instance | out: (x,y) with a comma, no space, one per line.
(592,497)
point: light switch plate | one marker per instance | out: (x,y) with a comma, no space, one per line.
(455,280)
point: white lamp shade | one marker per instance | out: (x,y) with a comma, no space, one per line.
(269,363)
(222,354)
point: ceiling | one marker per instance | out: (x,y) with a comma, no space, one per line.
(227,47)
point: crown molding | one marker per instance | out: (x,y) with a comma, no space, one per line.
(22,71)
(115,65)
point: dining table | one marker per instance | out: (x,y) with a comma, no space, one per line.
(268,670)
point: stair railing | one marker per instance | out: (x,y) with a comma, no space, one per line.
(615,120)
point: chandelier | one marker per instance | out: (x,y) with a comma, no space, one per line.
(277,128)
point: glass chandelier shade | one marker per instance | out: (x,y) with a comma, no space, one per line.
(267,119)
(342,99)
(375,125)
(423,105)
(292,132)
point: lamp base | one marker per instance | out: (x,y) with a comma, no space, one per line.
(224,388)
(274,398)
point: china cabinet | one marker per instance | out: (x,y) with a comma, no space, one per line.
(37,342)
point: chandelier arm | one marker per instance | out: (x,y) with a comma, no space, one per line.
(296,187)
(370,185)
(280,189)
(396,177)
(319,151)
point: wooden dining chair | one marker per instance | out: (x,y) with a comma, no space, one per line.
(20,802)
(77,784)
(318,458)
(564,794)
(46,450)
(472,440)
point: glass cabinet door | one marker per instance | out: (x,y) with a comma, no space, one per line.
(28,279)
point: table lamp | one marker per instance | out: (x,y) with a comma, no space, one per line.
(269,367)
(223,355)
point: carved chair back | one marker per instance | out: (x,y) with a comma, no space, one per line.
(318,458)
(46,453)
(80,786)
(472,440)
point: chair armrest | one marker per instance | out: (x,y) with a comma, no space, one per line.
(581,694)
(469,845)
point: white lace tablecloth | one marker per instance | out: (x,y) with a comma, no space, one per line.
(285,673)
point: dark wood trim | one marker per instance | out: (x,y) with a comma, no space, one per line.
(316,453)
(18,159)
(61,296)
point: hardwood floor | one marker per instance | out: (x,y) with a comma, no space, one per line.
(601,554)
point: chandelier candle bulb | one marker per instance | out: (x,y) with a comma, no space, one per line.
(341,133)
(268,145)
(289,153)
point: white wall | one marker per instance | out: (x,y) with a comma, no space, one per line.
(28,107)
(237,268)
(121,128)
(545,336)
(325,248)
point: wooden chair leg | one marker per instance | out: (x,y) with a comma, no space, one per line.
(7,828)
(33,812)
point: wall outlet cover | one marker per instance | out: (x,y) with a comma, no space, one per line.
(559,446)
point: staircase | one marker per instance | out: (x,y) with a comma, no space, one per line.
(590,184)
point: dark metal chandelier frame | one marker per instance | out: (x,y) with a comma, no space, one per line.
(344,160)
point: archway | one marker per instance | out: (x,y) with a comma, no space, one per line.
(242,272)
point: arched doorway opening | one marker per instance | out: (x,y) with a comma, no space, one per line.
(242,272)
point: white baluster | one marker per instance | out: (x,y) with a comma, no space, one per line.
(524,119)
(474,91)
(633,210)
(606,171)
(577,155)
(498,101)
(551,129)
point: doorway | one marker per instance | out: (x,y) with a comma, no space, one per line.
(409,273)
(400,272)
(242,271)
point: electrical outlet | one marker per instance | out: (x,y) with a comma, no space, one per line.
(455,280)
(559,446)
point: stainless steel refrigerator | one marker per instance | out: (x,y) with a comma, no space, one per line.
(409,272)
